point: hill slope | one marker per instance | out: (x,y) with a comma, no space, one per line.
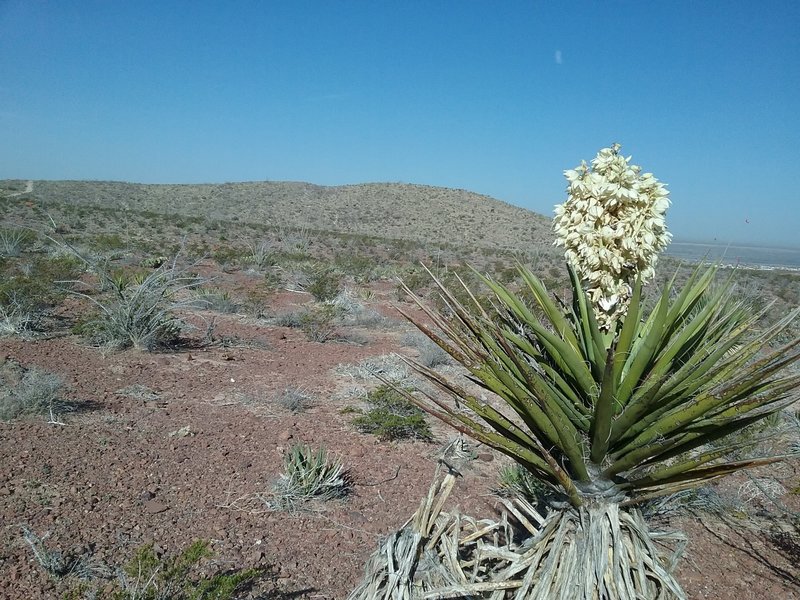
(393,210)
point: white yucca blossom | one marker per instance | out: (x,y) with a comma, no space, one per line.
(612,228)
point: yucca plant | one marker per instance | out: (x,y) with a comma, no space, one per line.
(608,405)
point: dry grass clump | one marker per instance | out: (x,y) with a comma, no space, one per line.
(430,355)
(35,392)
(386,367)
(14,240)
(294,399)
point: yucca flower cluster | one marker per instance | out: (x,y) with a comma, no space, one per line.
(612,227)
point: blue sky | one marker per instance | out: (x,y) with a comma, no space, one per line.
(493,97)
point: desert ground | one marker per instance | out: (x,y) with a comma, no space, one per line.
(282,301)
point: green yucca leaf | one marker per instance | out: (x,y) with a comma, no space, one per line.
(634,402)
(604,411)
(594,348)
(550,309)
(665,473)
(701,475)
(642,353)
(560,350)
(626,337)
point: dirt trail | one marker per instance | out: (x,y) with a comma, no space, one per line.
(28,189)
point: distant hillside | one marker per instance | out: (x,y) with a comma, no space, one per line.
(394,210)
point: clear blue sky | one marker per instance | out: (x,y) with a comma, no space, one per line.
(494,97)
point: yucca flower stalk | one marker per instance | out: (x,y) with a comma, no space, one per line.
(607,403)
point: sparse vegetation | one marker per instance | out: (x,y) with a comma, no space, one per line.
(147,576)
(150,577)
(430,355)
(29,289)
(59,564)
(217,300)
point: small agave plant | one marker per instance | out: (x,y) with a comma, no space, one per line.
(606,402)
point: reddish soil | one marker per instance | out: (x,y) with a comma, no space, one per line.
(114,475)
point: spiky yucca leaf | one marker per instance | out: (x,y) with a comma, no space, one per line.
(607,413)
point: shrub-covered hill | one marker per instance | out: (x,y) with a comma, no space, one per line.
(391,210)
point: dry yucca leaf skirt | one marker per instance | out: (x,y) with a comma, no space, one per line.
(595,553)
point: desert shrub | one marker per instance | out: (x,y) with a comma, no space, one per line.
(416,279)
(430,355)
(386,367)
(308,475)
(273,280)
(262,254)
(140,313)
(353,311)
(358,265)
(288,319)
(392,417)
(58,564)
(319,323)
(294,399)
(229,255)
(148,576)
(324,283)
(107,242)
(297,240)
(15,240)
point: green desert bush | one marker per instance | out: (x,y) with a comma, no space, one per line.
(324,283)
(308,475)
(392,417)
(359,266)
(153,262)
(262,254)
(317,322)
(150,577)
